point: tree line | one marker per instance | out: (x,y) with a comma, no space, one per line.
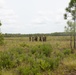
(27,35)
(70,16)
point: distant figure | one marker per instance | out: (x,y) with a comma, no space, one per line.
(33,38)
(36,38)
(29,38)
(40,38)
(44,38)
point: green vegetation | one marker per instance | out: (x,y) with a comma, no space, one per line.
(1,39)
(1,36)
(71,11)
(38,60)
(26,35)
(18,56)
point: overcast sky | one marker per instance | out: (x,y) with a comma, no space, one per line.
(32,16)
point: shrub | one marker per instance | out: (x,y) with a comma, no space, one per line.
(29,70)
(44,49)
(24,71)
(44,65)
(34,49)
(36,61)
(1,39)
(24,45)
(5,61)
(53,63)
(67,51)
(12,58)
(60,55)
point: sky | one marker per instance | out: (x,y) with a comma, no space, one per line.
(32,16)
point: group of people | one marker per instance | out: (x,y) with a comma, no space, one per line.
(37,38)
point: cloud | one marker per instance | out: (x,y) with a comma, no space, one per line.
(6,11)
(2,4)
(10,29)
(7,15)
(47,17)
(39,20)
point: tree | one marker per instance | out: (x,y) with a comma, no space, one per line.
(0,24)
(69,28)
(71,12)
(1,36)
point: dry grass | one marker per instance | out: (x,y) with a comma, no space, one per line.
(7,72)
(58,42)
(67,66)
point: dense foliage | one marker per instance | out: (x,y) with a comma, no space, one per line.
(48,34)
(34,61)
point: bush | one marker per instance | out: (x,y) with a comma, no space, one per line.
(24,71)
(44,49)
(34,49)
(24,45)
(5,61)
(36,61)
(1,39)
(29,70)
(67,51)
(12,58)
(60,55)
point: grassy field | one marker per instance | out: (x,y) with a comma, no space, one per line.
(19,56)
(60,41)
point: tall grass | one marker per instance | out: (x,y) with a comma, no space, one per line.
(35,58)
